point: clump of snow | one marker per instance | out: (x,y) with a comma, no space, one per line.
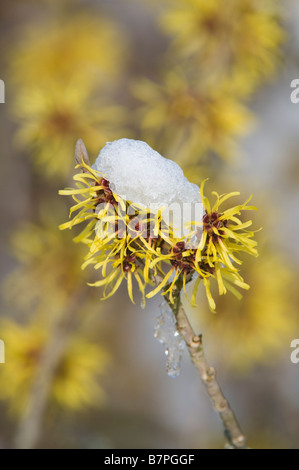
(139,174)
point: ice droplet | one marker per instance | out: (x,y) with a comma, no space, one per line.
(166,332)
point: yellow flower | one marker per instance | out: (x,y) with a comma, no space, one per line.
(123,248)
(79,49)
(185,118)
(64,76)
(111,249)
(75,382)
(51,118)
(238,41)
(223,232)
(222,237)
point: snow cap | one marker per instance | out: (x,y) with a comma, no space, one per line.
(139,174)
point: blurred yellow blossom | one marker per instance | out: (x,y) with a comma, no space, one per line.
(185,119)
(236,42)
(78,48)
(198,109)
(64,75)
(51,118)
(75,382)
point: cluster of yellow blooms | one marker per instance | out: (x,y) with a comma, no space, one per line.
(225,53)
(189,117)
(127,247)
(64,73)
(238,43)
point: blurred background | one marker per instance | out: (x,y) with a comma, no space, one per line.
(208,87)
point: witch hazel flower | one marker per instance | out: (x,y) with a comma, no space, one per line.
(146,224)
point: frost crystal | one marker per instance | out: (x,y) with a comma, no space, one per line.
(141,175)
(167,333)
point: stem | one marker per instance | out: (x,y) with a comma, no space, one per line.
(232,430)
(207,373)
(29,430)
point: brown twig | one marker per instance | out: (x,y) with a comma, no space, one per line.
(207,373)
(232,430)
